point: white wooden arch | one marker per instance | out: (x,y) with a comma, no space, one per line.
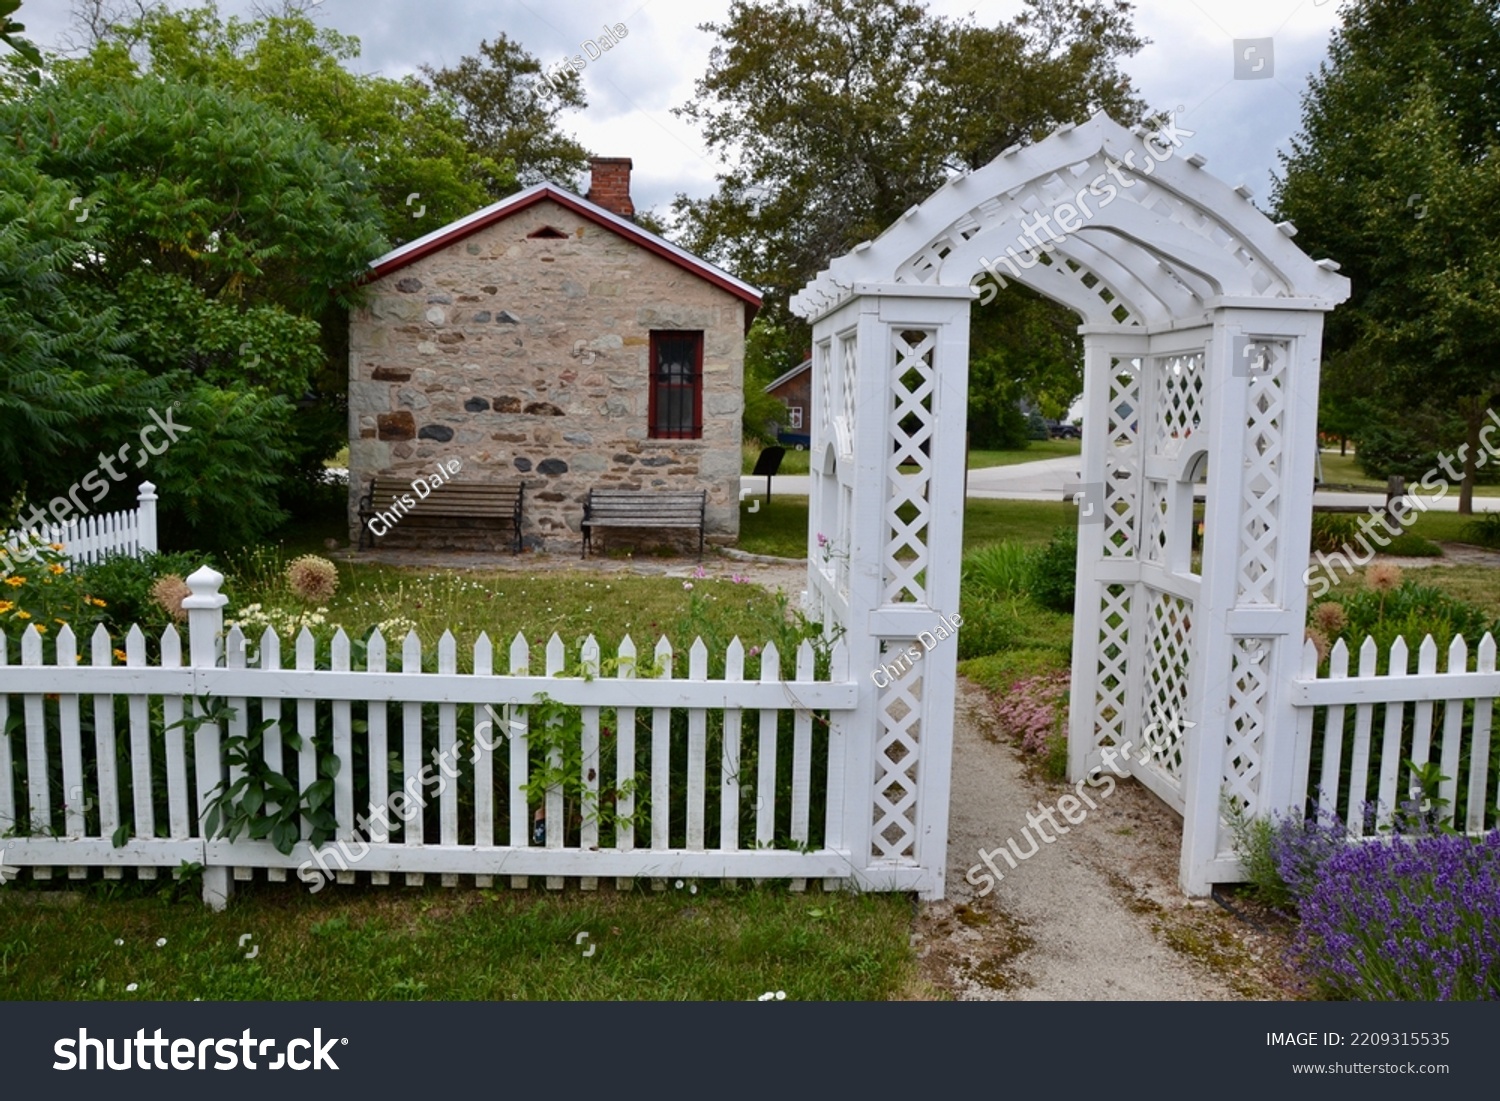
(1202,324)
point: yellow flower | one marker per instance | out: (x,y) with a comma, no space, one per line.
(17,580)
(23,615)
(120,655)
(58,567)
(5,606)
(55,546)
(95,601)
(64,622)
(42,627)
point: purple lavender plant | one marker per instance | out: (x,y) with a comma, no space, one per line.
(1402,919)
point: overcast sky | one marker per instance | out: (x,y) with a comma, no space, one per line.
(1239,124)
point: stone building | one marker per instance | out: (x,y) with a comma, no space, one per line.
(549,339)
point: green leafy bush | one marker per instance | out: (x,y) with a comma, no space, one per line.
(998,569)
(124,583)
(1484,530)
(42,591)
(1333,531)
(1053,582)
(1388,606)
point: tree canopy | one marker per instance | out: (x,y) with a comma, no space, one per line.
(1394,175)
(835,116)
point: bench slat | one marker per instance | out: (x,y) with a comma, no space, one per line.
(629,508)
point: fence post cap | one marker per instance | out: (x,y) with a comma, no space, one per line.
(204,584)
(147,492)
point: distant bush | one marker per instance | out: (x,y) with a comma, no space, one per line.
(1484,530)
(997,569)
(1053,582)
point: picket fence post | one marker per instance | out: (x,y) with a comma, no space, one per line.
(205,608)
(146,517)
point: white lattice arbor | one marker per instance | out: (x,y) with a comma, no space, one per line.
(1202,324)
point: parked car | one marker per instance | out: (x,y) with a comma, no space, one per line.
(1061,430)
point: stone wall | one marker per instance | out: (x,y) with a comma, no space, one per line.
(527,358)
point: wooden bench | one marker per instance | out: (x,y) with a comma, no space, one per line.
(629,508)
(389,495)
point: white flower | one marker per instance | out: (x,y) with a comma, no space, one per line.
(118,942)
(133,987)
(161,942)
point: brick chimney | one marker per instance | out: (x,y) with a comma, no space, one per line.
(609,185)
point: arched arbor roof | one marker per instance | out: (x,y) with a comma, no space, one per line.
(1119,225)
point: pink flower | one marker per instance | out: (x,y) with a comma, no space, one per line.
(822,539)
(739,579)
(698,573)
(688,585)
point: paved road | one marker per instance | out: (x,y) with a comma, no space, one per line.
(1045,479)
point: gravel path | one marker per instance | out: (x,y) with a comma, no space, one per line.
(1096,915)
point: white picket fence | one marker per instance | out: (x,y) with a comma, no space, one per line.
(154,779)
(88,539)
(1354,733)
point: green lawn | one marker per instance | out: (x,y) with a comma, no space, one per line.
(1343,472)
(796,462)
(781,528)
(503,602)
(59,943)
(1038,449)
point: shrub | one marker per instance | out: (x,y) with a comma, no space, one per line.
(1332,531)
(1386,607)
(125,583)
(998,569)
(1484,529)
(42,590)
(1405,919)
(1036,427)
(989,627)
(1053,576)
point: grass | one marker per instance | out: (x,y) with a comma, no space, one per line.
(1343,472)
(1038,449)
(796,462)
(780,529)
(793,462)
(395,943)
(501,603)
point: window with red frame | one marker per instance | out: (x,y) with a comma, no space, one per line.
(676,385)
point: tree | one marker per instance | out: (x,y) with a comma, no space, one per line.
(510,111)
(828,135)
(218,230)
(408,138)
(1394,175)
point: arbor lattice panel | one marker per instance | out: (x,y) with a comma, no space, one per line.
(906,501)
(1261,489)
(897,752)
